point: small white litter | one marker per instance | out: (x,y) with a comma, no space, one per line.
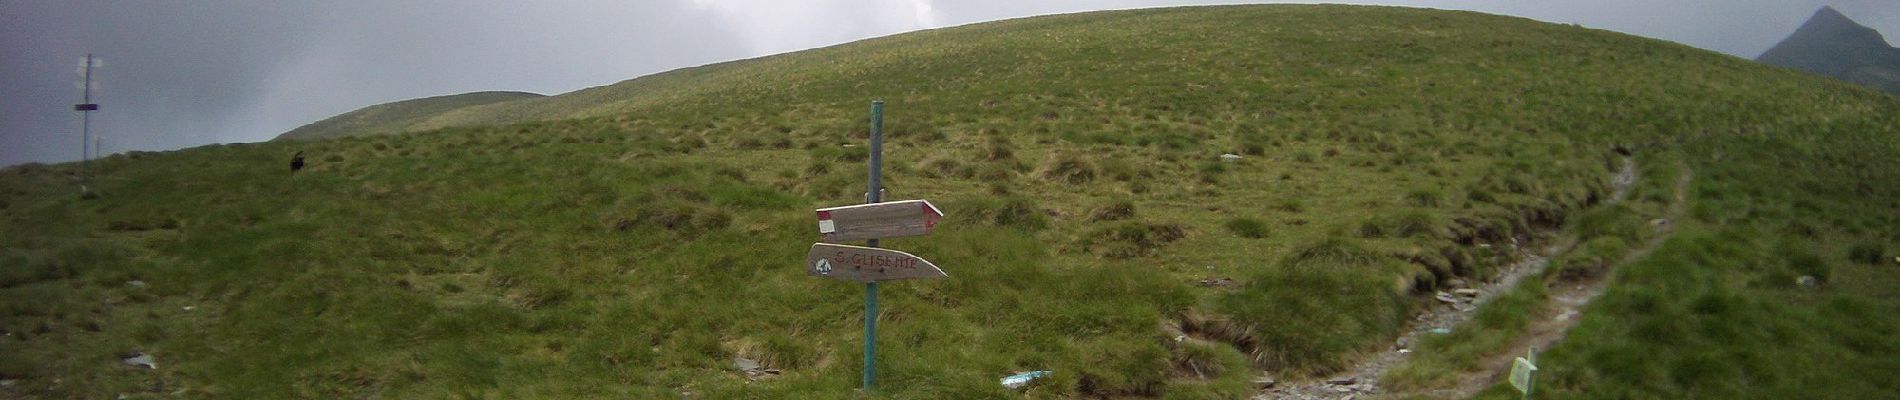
(1017,381)
(140,360)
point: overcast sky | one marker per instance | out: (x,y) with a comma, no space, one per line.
(187,73)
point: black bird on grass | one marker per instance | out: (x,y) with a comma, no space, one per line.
(296,162)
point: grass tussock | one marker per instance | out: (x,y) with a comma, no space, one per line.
(1353,308)
(1247,227)
(1114,211)
(1069,169)
(1409,223)
(1130,239)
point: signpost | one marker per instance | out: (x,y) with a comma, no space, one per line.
(878,220)
(867,264)
(1522,370)
(871,221)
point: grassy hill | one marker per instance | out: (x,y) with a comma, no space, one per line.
(632,240)
(399,116)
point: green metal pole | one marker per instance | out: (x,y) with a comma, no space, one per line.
(1530,354)
(870,288)
(870,335)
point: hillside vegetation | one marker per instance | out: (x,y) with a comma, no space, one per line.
(397,117)
(632,240)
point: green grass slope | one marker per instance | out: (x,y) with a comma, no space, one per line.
(396,117)
(652,232)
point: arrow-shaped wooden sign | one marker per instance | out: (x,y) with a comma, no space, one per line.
(867,264)
(878,220)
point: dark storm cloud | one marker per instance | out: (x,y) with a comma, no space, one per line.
(190,73)
(182,74)
(386,51)
(179,69)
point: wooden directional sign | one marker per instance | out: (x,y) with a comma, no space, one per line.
(878,220)
(866,264)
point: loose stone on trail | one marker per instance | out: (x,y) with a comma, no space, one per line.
(753,370)
(1217,282)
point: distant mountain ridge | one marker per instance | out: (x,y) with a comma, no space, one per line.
(1830,44)
(398,116)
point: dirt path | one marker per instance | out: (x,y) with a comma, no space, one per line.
(1567,302)
(1362,380)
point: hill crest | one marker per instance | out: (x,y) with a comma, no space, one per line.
(399,116)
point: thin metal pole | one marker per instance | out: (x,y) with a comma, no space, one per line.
(85,135)
(870,288)
(877,153)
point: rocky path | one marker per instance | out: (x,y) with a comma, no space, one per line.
(1568,301)
(1456,306)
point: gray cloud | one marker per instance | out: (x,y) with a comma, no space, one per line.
(182,74)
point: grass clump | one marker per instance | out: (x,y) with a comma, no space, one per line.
(1207,361)
(944,167)
(1014,212)
(839,154)
(1113,211)
(998,149)
(1068,169)
(1333,252)
(1407,223)
(1425,197)
(1868,253)
(1250,228)
(1332,285)
(1211,171)
(1591,259)
(1122,170)
(1802,262)
(1611,221)
(1290,204)
(1349,305)
(1129,239)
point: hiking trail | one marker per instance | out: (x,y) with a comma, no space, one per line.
(1567,300)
